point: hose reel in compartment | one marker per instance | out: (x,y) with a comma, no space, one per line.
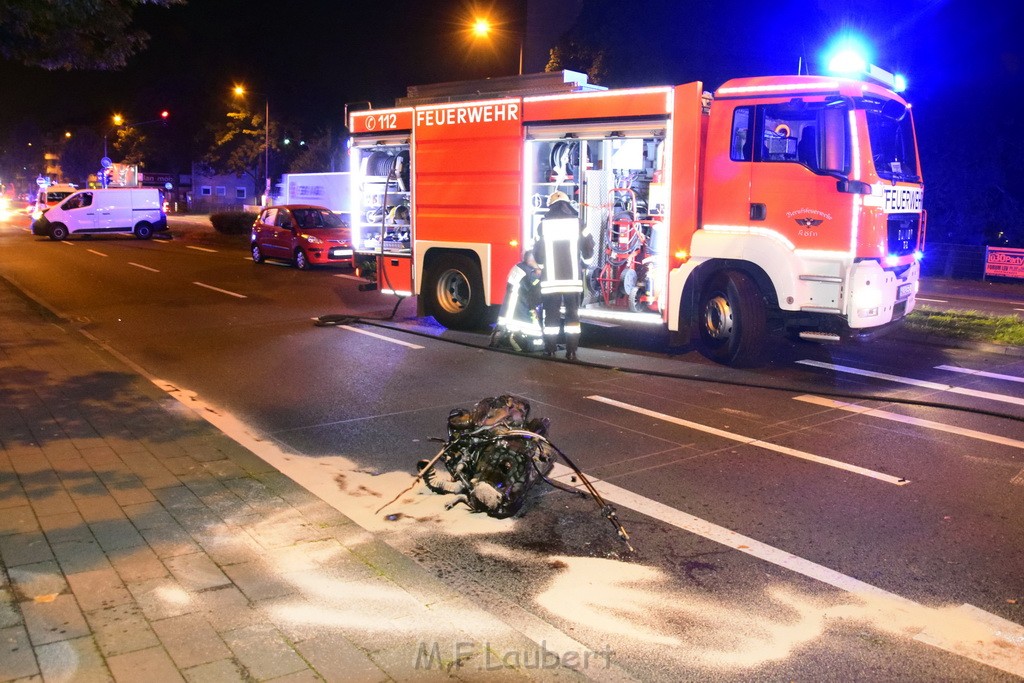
(386,182)
(384,164)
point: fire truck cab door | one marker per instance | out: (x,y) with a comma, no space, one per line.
(788,193)
(728,171)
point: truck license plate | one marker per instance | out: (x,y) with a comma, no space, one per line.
(904,291)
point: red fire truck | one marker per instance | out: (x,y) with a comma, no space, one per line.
(779,204)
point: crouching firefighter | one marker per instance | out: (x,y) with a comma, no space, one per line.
(560,244)
(518,319)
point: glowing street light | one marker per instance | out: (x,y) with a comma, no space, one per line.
(482,28)
(240,91)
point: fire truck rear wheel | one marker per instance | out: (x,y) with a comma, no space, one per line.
(455,293)
(733,320)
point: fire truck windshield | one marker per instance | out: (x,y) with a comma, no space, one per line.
(891,133)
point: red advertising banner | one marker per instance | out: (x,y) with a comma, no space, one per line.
(1004,262)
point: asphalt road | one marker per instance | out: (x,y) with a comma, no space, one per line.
(781,531)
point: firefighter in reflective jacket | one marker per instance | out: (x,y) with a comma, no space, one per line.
(558,250)
(518,321)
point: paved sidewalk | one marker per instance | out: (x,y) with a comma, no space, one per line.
(137,543)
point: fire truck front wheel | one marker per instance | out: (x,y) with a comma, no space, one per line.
(455,292)
(732,319)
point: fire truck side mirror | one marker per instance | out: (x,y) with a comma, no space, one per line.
(894,110)
(833,143)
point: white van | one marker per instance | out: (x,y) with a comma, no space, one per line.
(117,209)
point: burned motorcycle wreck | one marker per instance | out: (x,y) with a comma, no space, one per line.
(494,455)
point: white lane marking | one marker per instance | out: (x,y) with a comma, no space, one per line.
(139,265)
(980,373)
(1003,650)
(98,253)
(1019,479)
(933,301)
(379,336)
(222,291)
(352,277)
(70,244)
(898,481)
(917,382)
(917,422)
(1019,309)
(210,251)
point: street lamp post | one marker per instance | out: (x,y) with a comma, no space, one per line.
(241,91)
(118,121)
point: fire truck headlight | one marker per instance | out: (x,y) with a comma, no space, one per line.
(867,301)
(892,260)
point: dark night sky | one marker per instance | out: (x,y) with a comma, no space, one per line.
(314,56)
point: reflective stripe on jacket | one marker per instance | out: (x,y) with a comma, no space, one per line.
(561,238)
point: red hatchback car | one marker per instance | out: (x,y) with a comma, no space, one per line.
(302,234)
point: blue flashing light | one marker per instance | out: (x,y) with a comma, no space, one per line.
(899,83)
(918,255)
(848,56)
(847,62)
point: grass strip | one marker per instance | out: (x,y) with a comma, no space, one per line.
(967,325)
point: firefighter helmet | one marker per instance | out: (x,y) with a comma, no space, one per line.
(557,196)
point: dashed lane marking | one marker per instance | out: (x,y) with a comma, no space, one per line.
(916,382)
(980,373)
(98,253)
(351,277)
(784,450)
(209,251)
(905,419)
(379,336)
(70,244)
(222,291)
(933,301)
(139,265)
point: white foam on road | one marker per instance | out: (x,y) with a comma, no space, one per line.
(963,630)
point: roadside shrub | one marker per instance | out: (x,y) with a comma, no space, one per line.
(232,222)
